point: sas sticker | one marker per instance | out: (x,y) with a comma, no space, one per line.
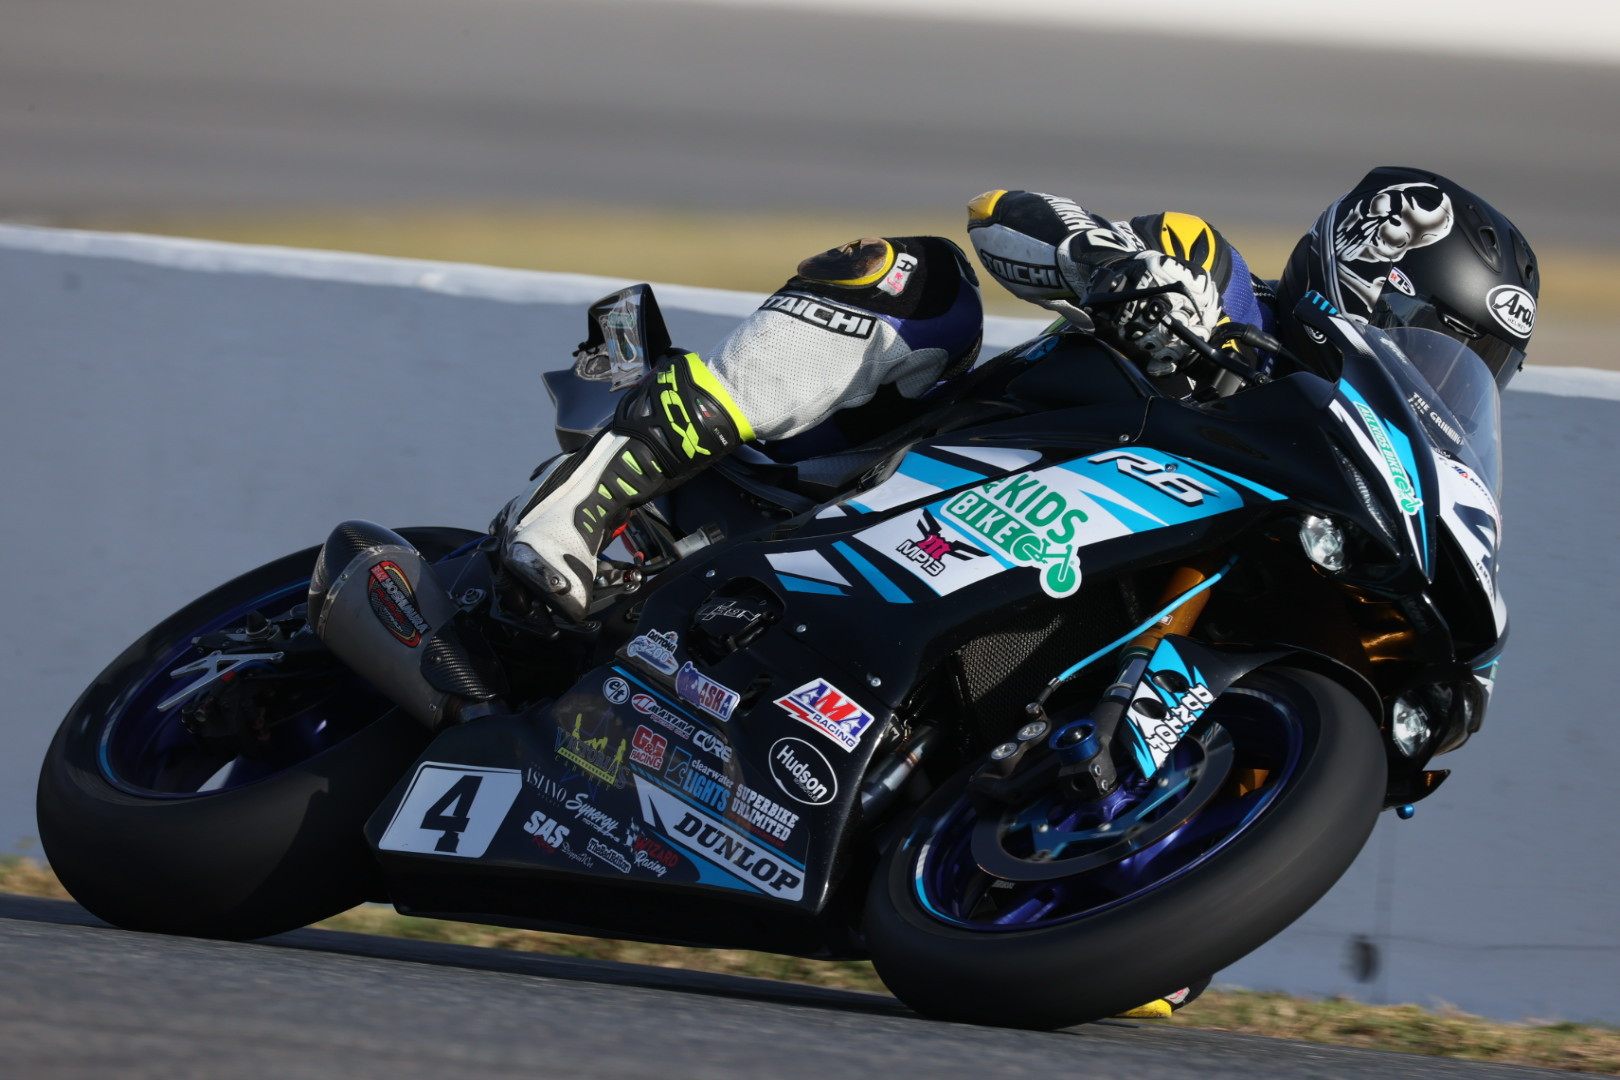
(828,710)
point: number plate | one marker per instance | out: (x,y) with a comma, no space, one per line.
(452,810)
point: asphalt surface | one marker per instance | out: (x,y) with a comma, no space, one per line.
(143,105)
(79,999)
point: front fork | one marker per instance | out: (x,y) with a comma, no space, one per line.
(1081,751)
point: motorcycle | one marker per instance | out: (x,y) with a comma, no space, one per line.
(1059,694)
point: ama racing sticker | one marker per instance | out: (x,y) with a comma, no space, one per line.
(830,711)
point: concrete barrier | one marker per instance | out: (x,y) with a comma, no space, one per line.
(174,412)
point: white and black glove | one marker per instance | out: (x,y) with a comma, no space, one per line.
(1134,302)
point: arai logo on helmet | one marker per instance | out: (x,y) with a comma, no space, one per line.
(1514,308)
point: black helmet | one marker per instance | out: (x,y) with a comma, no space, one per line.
(1408,247)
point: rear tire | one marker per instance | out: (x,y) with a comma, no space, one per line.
(1099,964)
(271,855)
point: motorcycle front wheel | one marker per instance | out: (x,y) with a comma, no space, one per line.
(1049,914)
(150,828)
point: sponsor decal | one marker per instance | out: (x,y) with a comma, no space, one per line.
(452,810)
(1401,281)
(712,744)
(713,698)
(1421,406)
(931,549)
(547,832)
(1392,460)
(731,610)
(895,283)
(1021,273)
(652,709)
(656,649)
(754,864)
(682,425)
(1514,308)
(608,855)
(592,756)
(548,788)
(1160,727)
(394,604)
(699,781)
(849,322)
(593,818)
(1028,522)
(828,710)
(647,853)
(802,772)
(762,813)
(616,690)
(648,748)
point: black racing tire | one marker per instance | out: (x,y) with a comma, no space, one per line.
(246,862)
(1222,908)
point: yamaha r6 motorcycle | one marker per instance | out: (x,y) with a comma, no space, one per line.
(1057,697)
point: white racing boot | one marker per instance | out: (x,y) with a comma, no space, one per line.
(669,427)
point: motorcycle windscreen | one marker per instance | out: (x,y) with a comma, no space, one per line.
(1456,395)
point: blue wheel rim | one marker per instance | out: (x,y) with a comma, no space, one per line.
(147,751)
(1266,733)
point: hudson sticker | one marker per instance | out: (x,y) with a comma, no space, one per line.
(713,698)
(656,649)
(394,604)
(802,772)
(828,710)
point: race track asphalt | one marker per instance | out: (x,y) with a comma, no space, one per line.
(142,105)
(80,999)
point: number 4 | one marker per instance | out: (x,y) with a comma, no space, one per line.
(453,813)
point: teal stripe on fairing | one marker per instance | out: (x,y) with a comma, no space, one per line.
(886,588)
(1245,481)
(799,584)
(937,473)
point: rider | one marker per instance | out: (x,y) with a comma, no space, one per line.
(1404,247)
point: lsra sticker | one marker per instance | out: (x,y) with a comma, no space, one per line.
(713,698)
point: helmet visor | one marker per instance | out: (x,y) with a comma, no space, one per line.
(1501,356)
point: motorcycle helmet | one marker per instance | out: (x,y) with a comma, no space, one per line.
(1408,247)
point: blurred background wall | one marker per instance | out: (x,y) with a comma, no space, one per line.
(166,424)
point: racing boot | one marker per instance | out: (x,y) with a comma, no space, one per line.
(672,425)
(1162,1008)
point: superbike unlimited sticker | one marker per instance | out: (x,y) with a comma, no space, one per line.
(830,711)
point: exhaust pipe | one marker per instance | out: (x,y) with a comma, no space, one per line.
(377,604)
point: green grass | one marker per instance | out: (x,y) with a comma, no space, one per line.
(1590,1048)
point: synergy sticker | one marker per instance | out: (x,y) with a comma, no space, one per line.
(830,711)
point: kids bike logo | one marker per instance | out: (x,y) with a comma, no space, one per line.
(1028,522)
(1392,461)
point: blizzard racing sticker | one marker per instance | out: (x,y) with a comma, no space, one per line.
(830,711)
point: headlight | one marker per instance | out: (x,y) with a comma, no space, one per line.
(1323,542)
(1409,725)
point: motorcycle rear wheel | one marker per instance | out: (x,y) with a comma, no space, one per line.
(1096,950)
(150,830)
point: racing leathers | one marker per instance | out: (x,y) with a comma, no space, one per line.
(900,311)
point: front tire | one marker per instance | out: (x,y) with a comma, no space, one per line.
(1077,964)
(150,831)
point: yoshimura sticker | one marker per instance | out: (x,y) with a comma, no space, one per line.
(1028,522)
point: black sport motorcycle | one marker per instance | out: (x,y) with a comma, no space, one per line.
(1057,695)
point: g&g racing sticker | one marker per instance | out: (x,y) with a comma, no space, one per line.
(394,604)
